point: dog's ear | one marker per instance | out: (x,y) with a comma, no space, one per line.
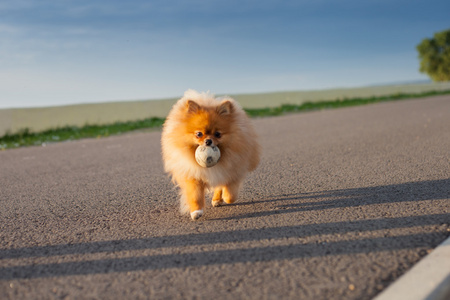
(192,107)
(225,108)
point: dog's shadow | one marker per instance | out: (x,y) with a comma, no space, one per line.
(356,197)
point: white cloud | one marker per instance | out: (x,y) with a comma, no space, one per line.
(9,29)
(17,5)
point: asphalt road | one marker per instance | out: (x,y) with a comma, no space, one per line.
(343,203)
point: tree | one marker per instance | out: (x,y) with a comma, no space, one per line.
(434,55)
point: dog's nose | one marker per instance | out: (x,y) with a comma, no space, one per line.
(208,142)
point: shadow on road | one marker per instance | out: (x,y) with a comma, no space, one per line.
(409,192)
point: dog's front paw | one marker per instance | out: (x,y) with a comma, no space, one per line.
(196,214)
(217,203)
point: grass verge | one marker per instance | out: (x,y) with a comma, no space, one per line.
(27,138)
(308,106)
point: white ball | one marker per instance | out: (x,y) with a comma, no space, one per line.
(207,156)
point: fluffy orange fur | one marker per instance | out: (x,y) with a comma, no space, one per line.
(197,119)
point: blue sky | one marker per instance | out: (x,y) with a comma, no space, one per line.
(64,52)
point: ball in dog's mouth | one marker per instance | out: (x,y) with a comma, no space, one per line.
(207,156)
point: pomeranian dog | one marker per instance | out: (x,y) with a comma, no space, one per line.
(199,119)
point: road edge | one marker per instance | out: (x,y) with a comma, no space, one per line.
(429,279)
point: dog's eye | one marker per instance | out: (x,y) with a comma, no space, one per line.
(217,134)
(199,134)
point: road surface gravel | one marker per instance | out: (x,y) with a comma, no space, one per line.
(343,203)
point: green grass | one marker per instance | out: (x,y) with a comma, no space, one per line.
(309,106)
(27,138)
